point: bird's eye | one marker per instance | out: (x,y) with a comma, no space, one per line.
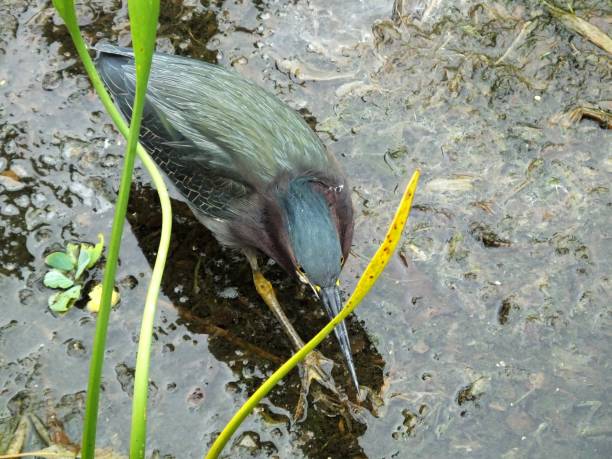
(300,270)
(341,261)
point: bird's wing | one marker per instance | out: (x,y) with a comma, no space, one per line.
(227,124)
(209,190)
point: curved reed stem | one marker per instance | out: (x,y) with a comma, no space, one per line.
(67,12)
(366,281)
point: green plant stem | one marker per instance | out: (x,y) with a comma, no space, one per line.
(97,359)
(93,391)
(367,280)
(143,21)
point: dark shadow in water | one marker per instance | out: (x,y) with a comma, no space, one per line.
(212,288)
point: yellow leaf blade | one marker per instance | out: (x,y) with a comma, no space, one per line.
(385,251)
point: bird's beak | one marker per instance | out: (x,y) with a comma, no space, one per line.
(330,297)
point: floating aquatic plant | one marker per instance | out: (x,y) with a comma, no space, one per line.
(66,275)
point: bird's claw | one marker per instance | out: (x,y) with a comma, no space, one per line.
(314,367)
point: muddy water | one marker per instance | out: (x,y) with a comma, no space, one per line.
(487,336)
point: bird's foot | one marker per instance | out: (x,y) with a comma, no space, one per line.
(314,367)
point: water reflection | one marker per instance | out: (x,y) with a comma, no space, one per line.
(211,286)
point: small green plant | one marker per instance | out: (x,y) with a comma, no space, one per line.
(66,273)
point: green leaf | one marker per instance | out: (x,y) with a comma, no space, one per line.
(63,6)
(59,260)
(66,10)
(72,250)
(84,257)
(62,301)
(58,302)
(96,252)
(56,279)
(143,21)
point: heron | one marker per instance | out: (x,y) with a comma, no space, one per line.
(253,173)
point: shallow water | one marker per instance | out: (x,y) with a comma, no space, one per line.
(488,334)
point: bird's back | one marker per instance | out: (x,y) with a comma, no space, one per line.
(218,136)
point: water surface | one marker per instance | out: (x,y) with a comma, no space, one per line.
(487,336)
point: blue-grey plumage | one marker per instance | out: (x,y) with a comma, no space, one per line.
(250,167)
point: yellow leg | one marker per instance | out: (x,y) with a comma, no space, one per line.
(266,291)
(315,365)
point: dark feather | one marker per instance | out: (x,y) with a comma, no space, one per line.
(229,146)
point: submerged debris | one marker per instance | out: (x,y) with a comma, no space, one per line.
(503,313)
(416,10)
(456,183)
(487,236)
(305,72)
(526,29)
(473,391)
(581,27)
(566,119)
(19,436)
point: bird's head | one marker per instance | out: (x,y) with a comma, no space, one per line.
(319,228)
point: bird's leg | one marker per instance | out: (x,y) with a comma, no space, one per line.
(315,365)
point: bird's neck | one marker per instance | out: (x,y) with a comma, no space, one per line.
(304,205)
(312,232)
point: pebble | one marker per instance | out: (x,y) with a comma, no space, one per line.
(51,81)
(22,201)
(10,184)
(9,210)
(249,440)
(420,347)
(229,293)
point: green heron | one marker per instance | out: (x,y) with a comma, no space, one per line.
(253,173)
